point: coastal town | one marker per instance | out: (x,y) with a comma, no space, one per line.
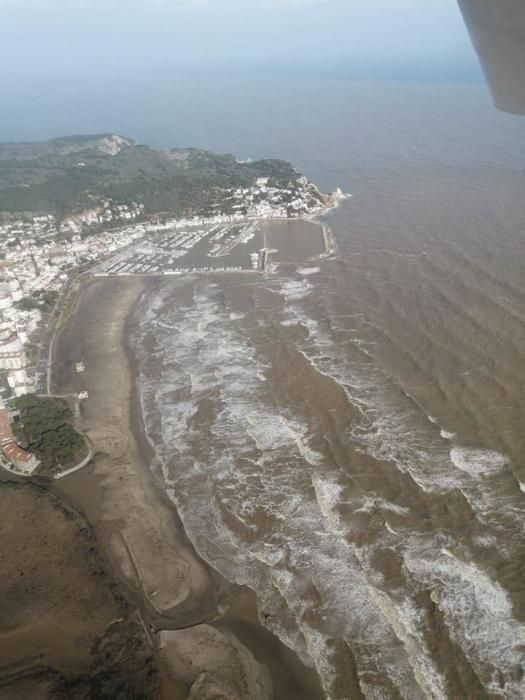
(42,254)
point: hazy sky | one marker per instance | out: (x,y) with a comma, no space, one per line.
(332,37)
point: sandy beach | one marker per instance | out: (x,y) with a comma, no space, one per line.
(178,595)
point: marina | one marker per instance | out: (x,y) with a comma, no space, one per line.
(207,248)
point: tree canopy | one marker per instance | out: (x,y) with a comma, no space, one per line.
(48,432)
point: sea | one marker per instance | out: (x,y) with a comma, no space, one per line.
(346,436)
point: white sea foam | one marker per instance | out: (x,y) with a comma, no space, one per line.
(258,459)
(207,356)
(328,496)
(294,290)
(385,428)
(487,541)
(300,436)
(269,431)
(340,579)
(372,503)
(405,620)
(306,271)
(319,651)
(196,382)
(478,612)
(477,462)
(389,428)
(269,554)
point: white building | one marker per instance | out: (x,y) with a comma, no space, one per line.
(12,355)
(6,300)
(19,382)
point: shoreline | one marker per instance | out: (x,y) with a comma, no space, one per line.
(195,609)
(119,455)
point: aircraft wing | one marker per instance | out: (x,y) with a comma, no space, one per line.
(497,29)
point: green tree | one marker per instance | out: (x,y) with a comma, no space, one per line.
(46,426)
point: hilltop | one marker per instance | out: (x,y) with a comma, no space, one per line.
(66,175)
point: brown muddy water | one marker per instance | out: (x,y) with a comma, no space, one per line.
(346,436)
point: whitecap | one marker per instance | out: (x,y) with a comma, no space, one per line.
(405,620)
(308,270)
(477,462)
(294,290)
(328,496)
(390,529)
(478,611)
